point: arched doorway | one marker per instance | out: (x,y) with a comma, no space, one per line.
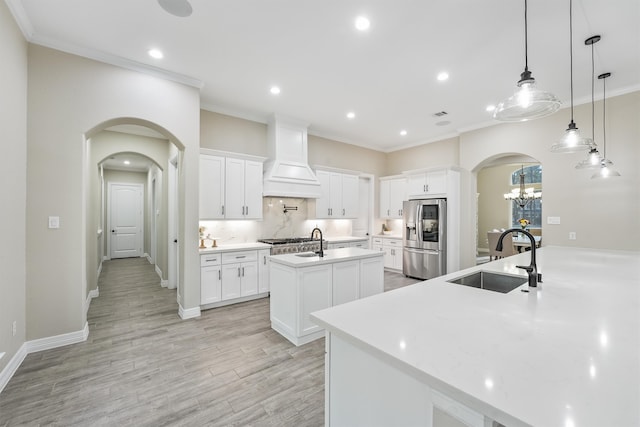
(493,178)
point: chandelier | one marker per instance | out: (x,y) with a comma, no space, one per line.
(522,196)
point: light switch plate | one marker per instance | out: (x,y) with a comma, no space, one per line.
(553,220)
(54,222)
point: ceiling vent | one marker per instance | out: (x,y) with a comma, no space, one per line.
(440,114)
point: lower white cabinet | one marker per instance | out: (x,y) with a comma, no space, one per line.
(392,248)
(296,292)
(364,244)
(230,277)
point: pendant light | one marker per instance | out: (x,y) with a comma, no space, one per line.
(528,102)
(571,142)
(605,170)
(593,158)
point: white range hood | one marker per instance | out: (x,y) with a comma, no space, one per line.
(287,172)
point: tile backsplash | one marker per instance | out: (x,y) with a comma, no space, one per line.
(276,223)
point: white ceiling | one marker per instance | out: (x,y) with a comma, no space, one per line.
(235,50)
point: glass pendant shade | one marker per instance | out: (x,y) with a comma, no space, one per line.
(593,160)
(527,103)
(572,141)
(605,171)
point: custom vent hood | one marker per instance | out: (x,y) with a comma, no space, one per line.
(287,172)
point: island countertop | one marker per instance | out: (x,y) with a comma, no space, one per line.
(330,256)
(564,354)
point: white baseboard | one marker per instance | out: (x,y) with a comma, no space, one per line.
(40,345)
(99,269)
(12,366)
(95,293)
(158,271)
(148,257)
(105,258)
(58,340)
(189,313)
(164,283)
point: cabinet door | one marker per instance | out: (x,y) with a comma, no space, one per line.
(371,277)
(417,185)
(397,258)
(231,277)
(252,190)
(234,194)
(346,280)
(210,284)
(314,294)
(335,196)
(263,270)
(323,203)
(397,195)
(349,196)
(437,182)
(389,254)
(212,182)
(249,279)
(384,198)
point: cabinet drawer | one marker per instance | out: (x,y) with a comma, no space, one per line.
(209,259)
(377,240)
(394,242)
(243,256)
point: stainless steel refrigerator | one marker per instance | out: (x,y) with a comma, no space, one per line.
(425,238)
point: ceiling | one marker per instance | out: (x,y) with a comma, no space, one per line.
(236,50)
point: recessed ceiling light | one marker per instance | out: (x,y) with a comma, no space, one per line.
(362,23)
(274,90)
(403,132)
(156,53)
(490,108)
(443,76)
(351,115)
(180,8)
(127,162)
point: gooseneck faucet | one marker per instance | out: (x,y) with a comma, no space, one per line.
(531,269)
(313,232)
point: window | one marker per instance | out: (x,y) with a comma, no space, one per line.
(533,210)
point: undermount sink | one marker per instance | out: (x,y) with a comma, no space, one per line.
(491,281)
(307,254)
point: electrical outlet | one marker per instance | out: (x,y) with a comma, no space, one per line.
(572,235)
(14,328)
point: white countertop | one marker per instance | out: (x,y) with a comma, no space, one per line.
(566,354)
(236,247)
(342,239)
(330,256)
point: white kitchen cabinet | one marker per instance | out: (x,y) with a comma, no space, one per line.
(210,279)
(426,184)
(337,245)
(212,187)
(371,277)
(346,278)
(263,270)
(243,193)
(392,248)
(228,277)
(364,244)
(339,198)
(392,194)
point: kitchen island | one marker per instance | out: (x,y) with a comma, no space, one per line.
(564,354)
(305,282)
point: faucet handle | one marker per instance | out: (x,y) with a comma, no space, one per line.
(539,277)
(528,268)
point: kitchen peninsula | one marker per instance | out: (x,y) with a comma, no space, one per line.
(564,354)
(305,282)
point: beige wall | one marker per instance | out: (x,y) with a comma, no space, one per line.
(440,153)
(69,97)
(602,213)
(226,133)
(13,174)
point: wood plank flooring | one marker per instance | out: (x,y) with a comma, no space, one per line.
(142,365)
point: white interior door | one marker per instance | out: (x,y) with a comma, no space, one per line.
(172,232)
(126,220)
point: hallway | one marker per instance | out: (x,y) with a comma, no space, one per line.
(143,365)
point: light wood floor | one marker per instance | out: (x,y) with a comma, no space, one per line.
(143,365)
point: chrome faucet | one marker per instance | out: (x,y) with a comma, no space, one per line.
(313,232)
(531,269)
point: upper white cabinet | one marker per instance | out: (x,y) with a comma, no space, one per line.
(392,194)
(243,195)
(339,198)
(425,184)
(230,186)
(212,187)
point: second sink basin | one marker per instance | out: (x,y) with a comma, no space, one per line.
(491,281)
(307,254)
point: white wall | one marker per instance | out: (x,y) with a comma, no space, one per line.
(70,98)
(13,175)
